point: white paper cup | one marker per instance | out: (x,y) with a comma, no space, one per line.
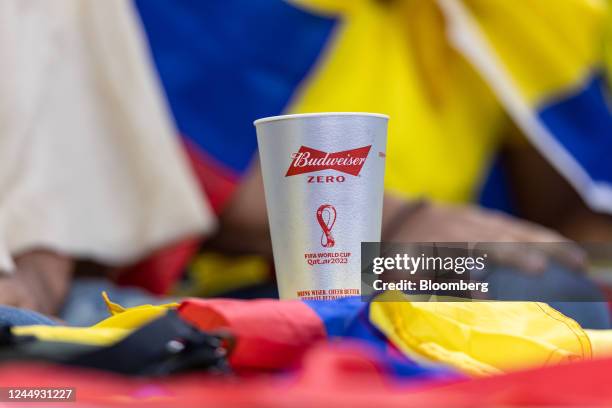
(324,181)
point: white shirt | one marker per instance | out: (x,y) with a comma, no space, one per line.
(90,161)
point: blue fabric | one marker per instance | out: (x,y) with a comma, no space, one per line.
(582,122)
(348,318)
(22,317)
(338,315)
(496,192)
(226,63)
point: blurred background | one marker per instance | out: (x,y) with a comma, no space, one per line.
(128,164)
(127,126)
(501,104)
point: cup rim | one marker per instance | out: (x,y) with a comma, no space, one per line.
(320,114)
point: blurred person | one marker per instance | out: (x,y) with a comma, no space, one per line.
(454,79)
(91,166)
(454,76)
(216,85)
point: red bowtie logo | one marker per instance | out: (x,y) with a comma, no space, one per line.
(307,160)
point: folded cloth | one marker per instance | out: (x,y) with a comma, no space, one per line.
(277,335)
(106,332)
(90,164)
(412,339)
(483,338)
(270,334)
(166,344)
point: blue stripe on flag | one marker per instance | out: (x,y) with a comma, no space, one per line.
(226,63)
(348,318)
(496,191)
(582,123)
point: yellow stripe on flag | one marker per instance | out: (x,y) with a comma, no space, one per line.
(393,58)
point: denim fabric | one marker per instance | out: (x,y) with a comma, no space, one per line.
(22,317)
(84,305)
(571,293)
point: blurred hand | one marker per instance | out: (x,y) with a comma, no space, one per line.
(14,292)
(40,282)
(438,223)
(244,228)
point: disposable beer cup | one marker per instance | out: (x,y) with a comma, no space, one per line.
(323,176)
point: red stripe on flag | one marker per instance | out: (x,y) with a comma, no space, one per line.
(216,180)
(270,334)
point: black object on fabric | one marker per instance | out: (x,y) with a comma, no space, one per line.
(164,346)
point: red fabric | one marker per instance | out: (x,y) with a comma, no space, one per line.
(332,376)
(216,181)
(340,374)
(158,272)
(270,334)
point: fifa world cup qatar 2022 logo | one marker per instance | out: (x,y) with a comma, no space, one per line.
(326,216)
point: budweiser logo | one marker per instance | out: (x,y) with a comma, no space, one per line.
(307,160)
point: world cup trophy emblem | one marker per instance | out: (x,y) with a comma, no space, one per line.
(326,216)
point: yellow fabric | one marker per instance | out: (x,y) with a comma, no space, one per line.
(83,335)
(482,338)
(113,308)
(396,60)
(213,274)
(395,57)
(132,317)
(328,6)
(550,47)
(121,323)
(607,45)
(601,342)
